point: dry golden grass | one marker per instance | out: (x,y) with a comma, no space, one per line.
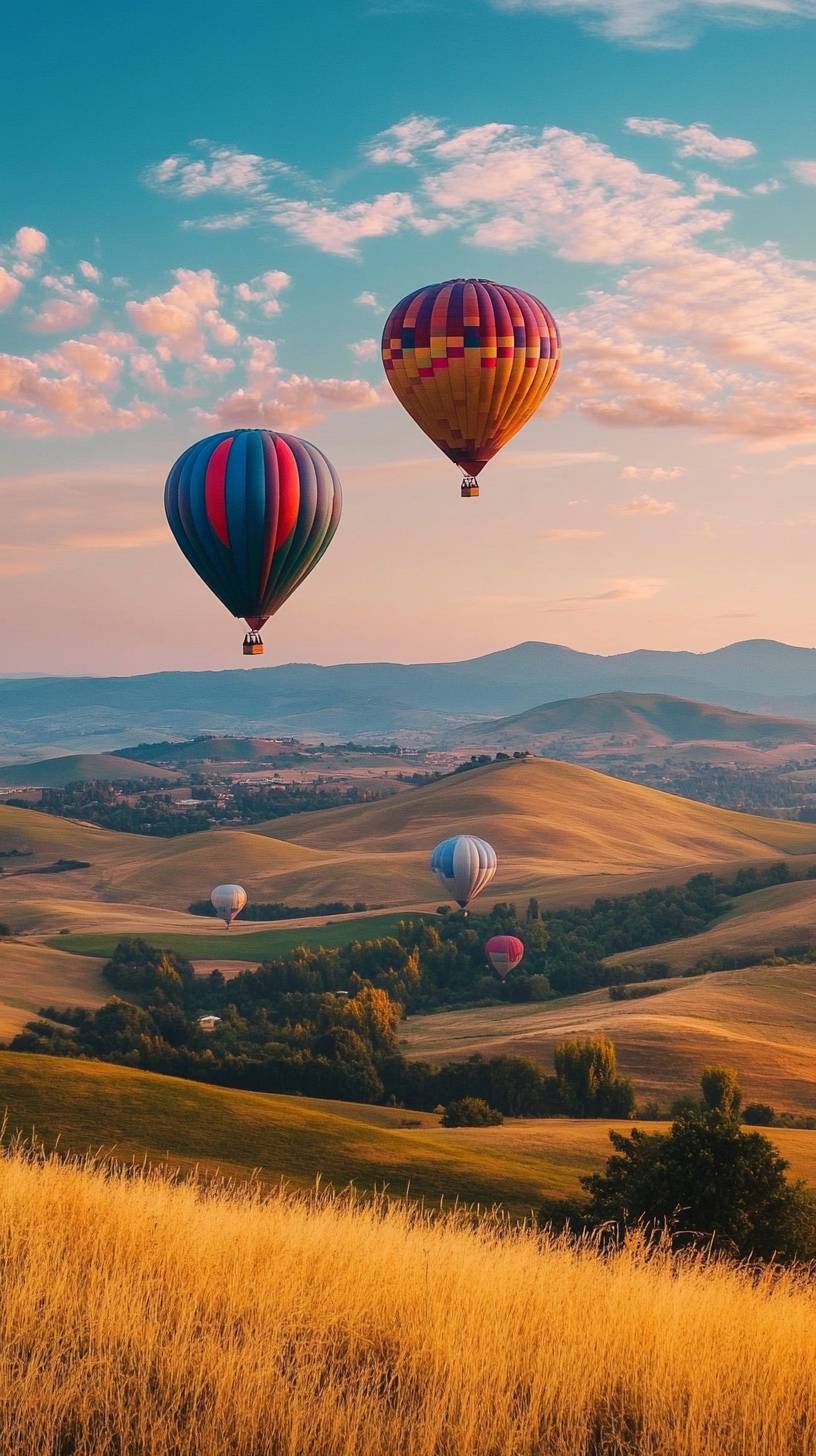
(757,924)
(154,1319)
(761,1021)
(32,976)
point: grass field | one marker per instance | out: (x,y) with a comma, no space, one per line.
(84,1105)
(150,1318)
(244,945)
(33,975)
(79,767)
(761,1021)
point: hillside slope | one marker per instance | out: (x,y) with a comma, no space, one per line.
(560,830)
(55,773)
(642,720)
(762,1021)
(91,1105)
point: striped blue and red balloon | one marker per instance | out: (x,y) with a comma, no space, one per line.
(253,511)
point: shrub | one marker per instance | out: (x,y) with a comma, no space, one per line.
(759,1114)
(471,1112)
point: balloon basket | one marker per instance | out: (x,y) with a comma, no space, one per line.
(253,646)
(470,487)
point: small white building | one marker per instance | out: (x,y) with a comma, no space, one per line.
(209,1023)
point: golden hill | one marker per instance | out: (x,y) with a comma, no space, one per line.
(33,976)
(562,831)
(780,918)
(761,1021)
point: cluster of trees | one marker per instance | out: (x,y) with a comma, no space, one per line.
(279,910)
(706,1180)
(771,791)
(287,1033)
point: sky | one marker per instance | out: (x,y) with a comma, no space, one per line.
(207,214)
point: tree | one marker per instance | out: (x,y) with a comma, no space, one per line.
(588,1081)
(471,1112)
(708,1177)
(721,1091)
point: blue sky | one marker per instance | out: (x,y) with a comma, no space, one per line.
(205,215)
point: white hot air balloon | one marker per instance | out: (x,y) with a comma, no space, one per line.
(464,864)
(228,901)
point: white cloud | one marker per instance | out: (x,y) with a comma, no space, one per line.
(89,271)
(10,288)
(368,300)
(804,171)
(221,223)
(672,23)
(694,140)
(653,472)
(567,190)
(646,505)
(400,143)
(220,169)
(289,403)
(68,307)
(185,316)
(365,349)
(29,242)
(340,229)
(264,290)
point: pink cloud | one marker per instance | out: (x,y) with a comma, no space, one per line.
(10,288)
(184,317)
(289,403)
(695,140)
(29,242)
(646,505)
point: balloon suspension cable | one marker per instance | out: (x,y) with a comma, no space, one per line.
(253,644)
(470,487)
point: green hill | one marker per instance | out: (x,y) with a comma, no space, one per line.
(73,768)
(91,1105)
(645,720)
(204,750)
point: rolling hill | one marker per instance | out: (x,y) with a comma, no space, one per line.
(637,720)
(562,831)
(780,918)
(212,749)
(92,1105)
(761,1021)
(34,975)
(55,773)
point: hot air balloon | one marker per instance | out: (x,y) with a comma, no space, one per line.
(464,865)
(471,361)
(253,511)
(228,901)
(504,952)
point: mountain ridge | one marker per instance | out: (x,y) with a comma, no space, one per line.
(386,698)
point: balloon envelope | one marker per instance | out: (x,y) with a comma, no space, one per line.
(464,864)
(471,361)
(228,901)
(504,952)
(253,511)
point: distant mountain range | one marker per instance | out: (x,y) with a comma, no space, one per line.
(421,701)
(637,720)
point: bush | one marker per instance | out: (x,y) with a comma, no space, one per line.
(708,1178)
(759,1114)
(471,1112)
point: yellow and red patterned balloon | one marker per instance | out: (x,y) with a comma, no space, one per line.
(471,361)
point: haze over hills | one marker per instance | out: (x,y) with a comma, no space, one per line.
(637,720)
(377,699)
